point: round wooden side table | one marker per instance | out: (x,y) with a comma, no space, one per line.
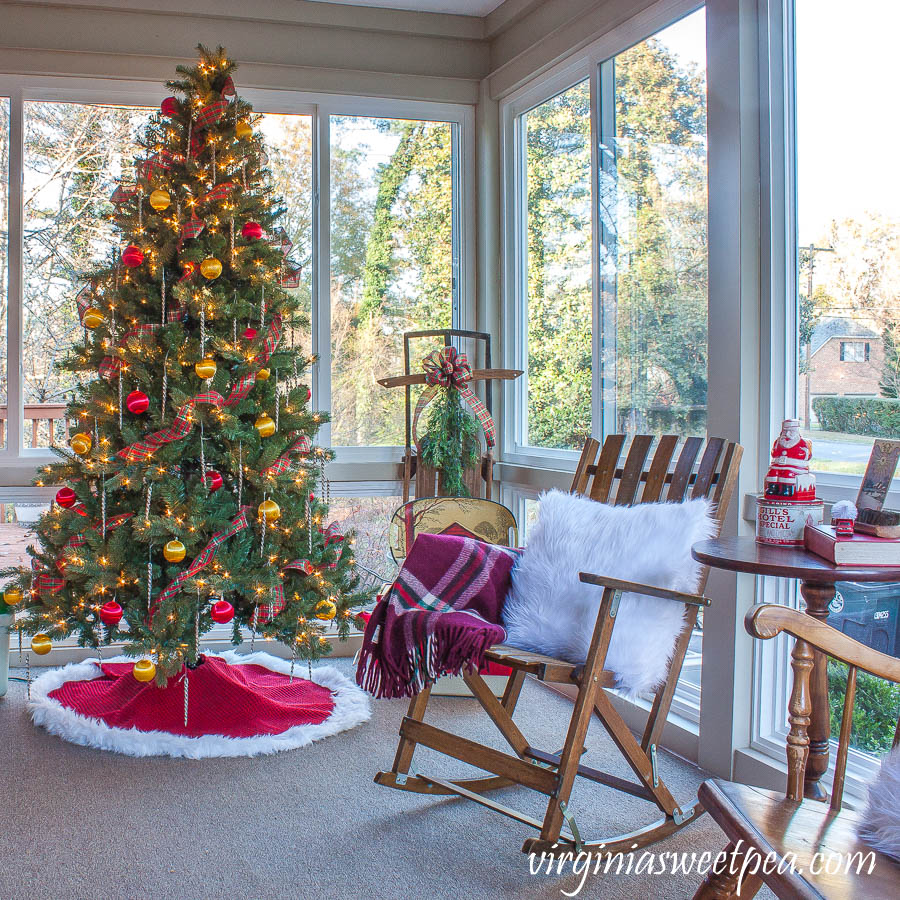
(817,577)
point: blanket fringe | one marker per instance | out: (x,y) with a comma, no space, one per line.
(452,653)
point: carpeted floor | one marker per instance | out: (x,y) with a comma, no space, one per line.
(81,823)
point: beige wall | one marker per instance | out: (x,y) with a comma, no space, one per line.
(310,46)
(282,44)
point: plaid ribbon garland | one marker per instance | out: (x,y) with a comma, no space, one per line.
(332,534)
(183,423)
(159,162)
(283,463)
(181,427)
(83,300)
(281,241)
(201,561)
(269,611)
(291,278)
(198,140)
(210,114)
(242,388)
(445,368)
(110,365)
(191,229)
(77,540)
(122,193)
(219,192)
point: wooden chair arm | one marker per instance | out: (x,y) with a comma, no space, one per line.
(769,619)
(646,589)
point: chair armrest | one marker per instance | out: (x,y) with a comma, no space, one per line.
(769,619)
(646,589)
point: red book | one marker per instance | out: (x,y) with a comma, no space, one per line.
(858,550)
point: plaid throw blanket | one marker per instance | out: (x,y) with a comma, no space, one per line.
(440,617)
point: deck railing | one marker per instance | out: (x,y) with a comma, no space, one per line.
(48,424)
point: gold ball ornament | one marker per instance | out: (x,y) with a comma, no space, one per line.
(160,199)
(263,375)
(326,610)
(41,644)
(243,130)
(174,551)
(206,368)
(81,443)
(12,597)
(269,510)
(265,425)
(144,670)
(210,268)
(92,317)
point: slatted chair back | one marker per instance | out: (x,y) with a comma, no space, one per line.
(674,473)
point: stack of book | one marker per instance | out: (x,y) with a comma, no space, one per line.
(857,550)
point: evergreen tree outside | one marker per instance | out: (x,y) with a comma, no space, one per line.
(195,440)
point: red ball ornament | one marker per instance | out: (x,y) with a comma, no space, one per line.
(308,395)
(137,402)
(213,480)
(170,107)
(111,613)
(132,256)
(222,611)
(65,497)
(250,333)
(252,231)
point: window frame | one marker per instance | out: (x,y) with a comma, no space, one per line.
(18,462)
(586,63)
(779,390)
(526,469)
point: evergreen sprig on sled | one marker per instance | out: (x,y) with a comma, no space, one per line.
(451,443)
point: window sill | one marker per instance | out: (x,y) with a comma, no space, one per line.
(66,652)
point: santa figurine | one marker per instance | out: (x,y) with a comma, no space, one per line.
(789,477)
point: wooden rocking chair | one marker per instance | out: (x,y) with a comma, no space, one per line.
(554,774)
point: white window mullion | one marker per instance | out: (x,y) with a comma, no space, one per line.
(321,298)
(15,392)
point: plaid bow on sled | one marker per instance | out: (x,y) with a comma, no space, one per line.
(445,368)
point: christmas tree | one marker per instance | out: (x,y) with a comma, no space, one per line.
(192,491)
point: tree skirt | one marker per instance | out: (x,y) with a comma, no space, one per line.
(238,705)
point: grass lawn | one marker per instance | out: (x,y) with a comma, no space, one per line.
(817,434)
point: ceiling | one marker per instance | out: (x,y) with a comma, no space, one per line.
(458,7)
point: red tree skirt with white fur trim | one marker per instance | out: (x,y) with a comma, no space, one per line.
(237,706)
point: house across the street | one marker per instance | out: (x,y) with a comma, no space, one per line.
(845,360)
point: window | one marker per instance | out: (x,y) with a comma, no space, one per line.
(607,258)
(652,203)
(854,351)
(74,155)
(289,142)
(4,258)
(393,253)
(395,249)
(843,231)
(848,233)
(610,281)
(557,276)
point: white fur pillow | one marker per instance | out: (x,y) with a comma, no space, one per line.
(881,823)
(549,610)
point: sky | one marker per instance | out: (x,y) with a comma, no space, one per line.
(848,127)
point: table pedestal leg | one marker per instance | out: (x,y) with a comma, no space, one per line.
(817,597)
